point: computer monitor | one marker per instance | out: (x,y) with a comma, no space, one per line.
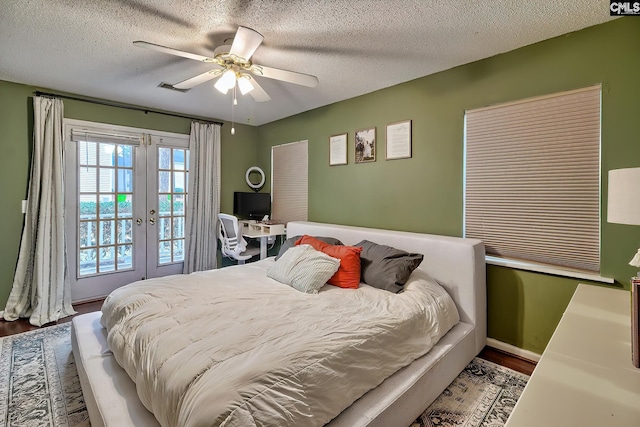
(251,205)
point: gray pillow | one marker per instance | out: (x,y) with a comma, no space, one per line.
(305,269)
(385,267)
(291,242)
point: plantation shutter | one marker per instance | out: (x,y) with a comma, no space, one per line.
(532,187)
(289,182)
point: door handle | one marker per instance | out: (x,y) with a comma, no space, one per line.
(152,221)
(139,221)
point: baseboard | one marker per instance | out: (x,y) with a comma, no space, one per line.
(512,349)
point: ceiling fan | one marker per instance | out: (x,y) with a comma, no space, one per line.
(233,65)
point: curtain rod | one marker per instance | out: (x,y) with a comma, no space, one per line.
(128,107)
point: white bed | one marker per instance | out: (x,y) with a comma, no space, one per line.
(457,264)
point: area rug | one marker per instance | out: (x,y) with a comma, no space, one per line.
(483,395)
(39,387)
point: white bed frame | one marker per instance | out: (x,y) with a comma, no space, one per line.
(457,264)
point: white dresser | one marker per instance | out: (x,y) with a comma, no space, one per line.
(585,376)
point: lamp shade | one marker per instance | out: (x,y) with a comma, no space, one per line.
(624,196)
(245,85)
(226,82)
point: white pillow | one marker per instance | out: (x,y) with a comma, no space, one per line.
(442,305)
(303,268)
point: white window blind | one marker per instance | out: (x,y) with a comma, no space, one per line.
(289,182)
(82,134)
(532,185)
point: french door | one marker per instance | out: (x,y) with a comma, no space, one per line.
(125,205)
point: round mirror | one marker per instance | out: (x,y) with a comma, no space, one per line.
(259,185)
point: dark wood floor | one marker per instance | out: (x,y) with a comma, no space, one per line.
(488,353)
(23,325)
(508,360)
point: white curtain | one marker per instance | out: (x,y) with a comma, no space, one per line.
(204,197)
(41,289)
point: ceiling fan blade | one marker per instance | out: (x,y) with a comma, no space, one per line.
(171,51)
(284,75)
(258,94)
(199,79)
(245,42)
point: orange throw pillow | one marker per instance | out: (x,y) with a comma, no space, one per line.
(348,275)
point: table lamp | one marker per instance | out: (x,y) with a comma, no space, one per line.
(624,200)
(624,208)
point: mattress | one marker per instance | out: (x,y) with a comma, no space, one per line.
(232,347)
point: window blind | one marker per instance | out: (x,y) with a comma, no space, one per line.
(89,135)
(532,183)
(289,182)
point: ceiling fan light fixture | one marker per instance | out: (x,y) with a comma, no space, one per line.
(244,83)
(221,88)
(226,82)
(233,63)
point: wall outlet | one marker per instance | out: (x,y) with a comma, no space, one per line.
(24,206)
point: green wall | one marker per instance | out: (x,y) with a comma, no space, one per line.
(422,194)
(425,193)
(16,126)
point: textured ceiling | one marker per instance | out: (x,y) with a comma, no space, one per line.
(352,46)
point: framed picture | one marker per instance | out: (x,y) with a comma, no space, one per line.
(365,143)
(399,140)
(338,150)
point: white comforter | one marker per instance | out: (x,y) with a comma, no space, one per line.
(231,347)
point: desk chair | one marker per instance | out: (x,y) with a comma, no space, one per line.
(233,245)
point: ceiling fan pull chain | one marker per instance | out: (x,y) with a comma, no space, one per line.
(233,109)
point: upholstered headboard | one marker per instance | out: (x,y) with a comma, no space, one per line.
(457,264)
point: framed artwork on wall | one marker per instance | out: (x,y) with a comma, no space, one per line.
(338,150)
(365,144)
(398,140)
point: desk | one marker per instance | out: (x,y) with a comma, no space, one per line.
(585,376)
(258,230)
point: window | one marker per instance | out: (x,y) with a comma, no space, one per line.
(532,179)
(289,182)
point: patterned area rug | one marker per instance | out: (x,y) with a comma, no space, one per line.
(483,395)
(39,387)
